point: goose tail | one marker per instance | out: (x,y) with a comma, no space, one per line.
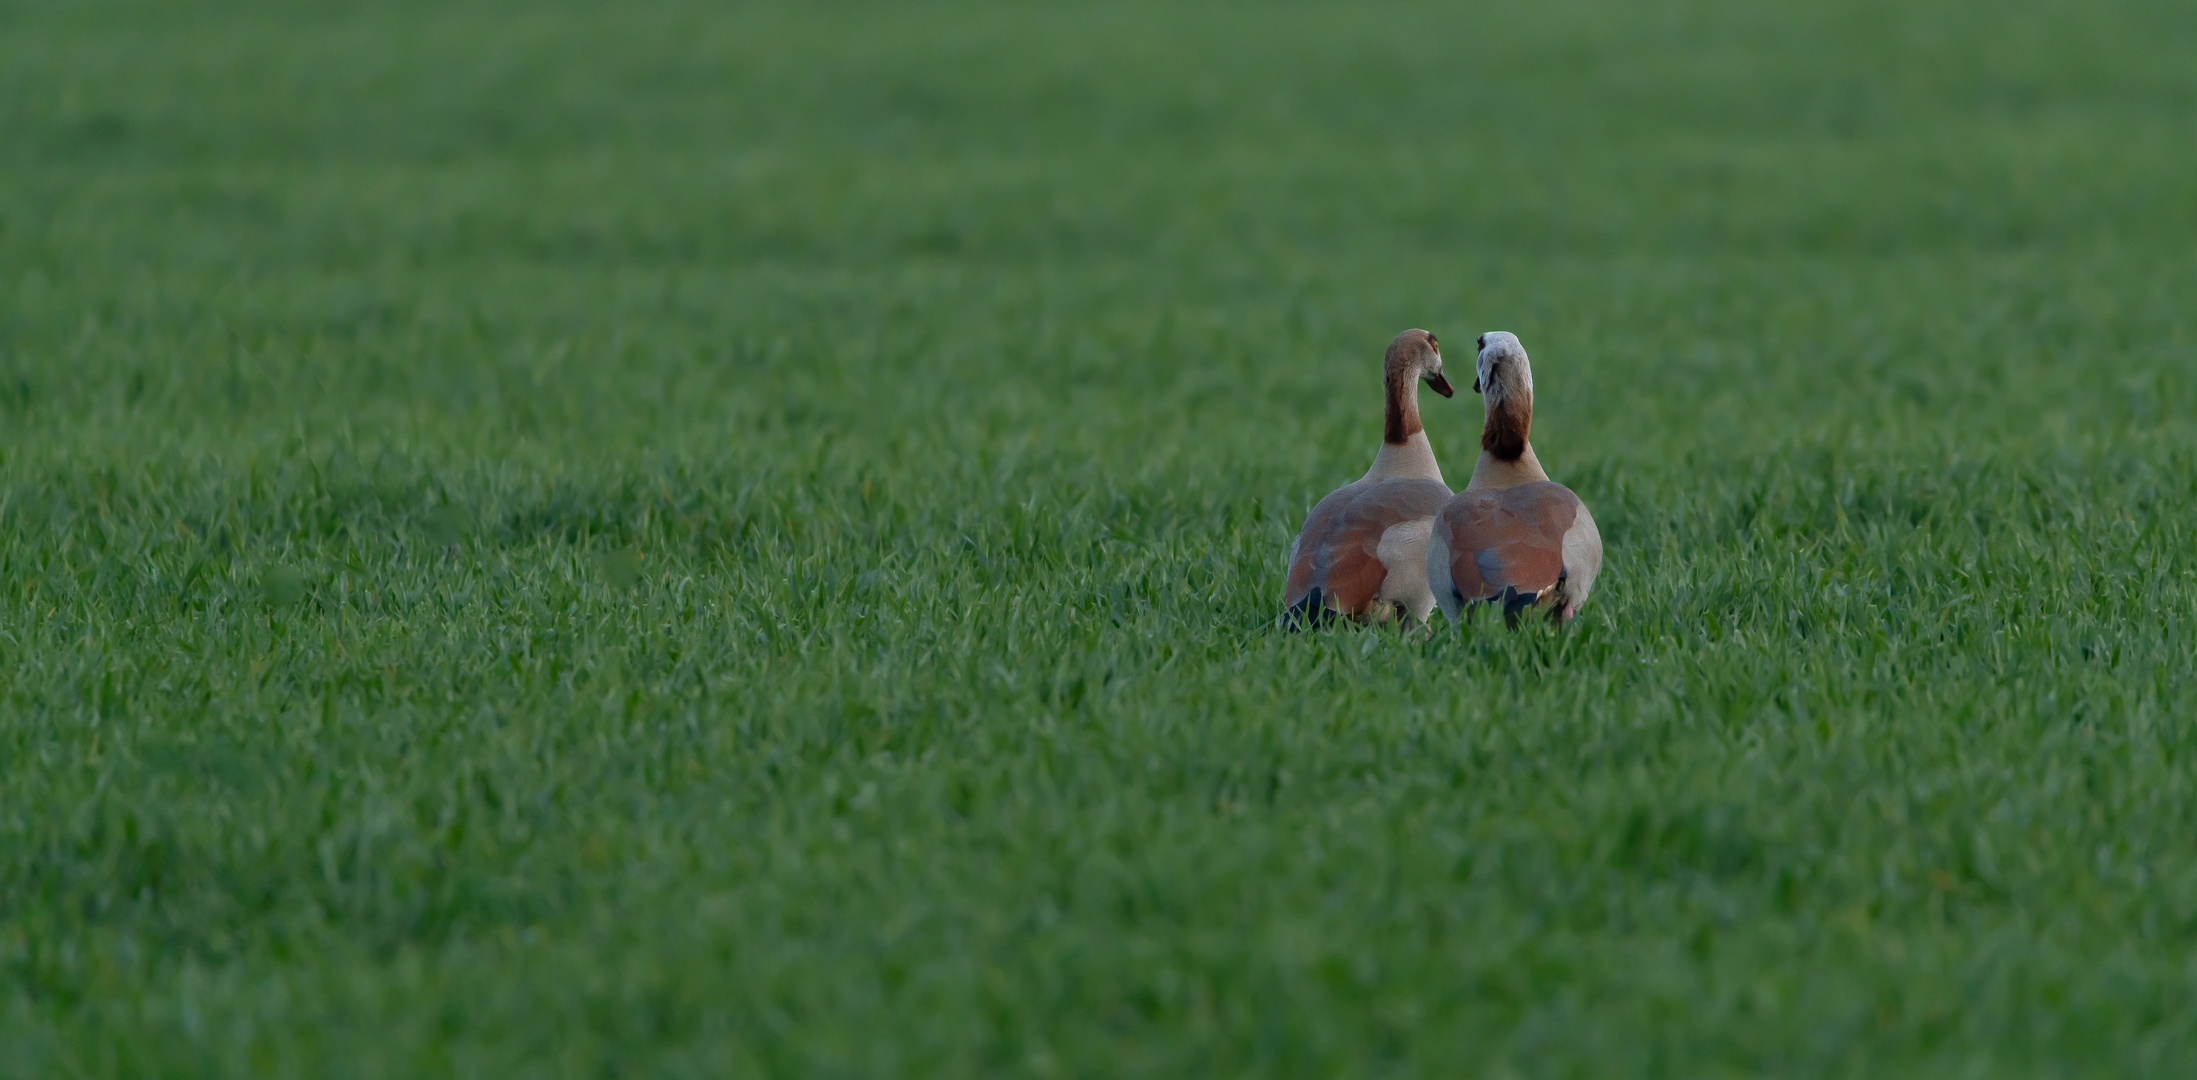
(1515,604)
(1308,612)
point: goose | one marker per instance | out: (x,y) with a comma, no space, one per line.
(1362,551)
(1512,536)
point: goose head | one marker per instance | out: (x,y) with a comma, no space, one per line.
(1505,380)
(1502,374)
(1415,354)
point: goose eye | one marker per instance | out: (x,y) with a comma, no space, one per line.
(1434,342)
(1483,342)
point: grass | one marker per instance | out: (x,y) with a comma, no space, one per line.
(699,540)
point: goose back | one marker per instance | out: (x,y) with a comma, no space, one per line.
(1531,544)
(1362,551)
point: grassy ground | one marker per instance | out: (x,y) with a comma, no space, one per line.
(701,540)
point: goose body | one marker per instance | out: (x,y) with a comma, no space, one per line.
(1362,551)
(1513,536)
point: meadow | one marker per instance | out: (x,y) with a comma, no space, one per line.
(722,539)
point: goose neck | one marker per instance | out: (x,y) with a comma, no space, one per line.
(1492,471)
(1411,459)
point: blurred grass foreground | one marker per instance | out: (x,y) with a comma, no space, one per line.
(703,539)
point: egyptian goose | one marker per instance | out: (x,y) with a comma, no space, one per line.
(1362,552)
(1512,536)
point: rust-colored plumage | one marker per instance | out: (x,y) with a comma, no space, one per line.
(1519,545)
(1336,564)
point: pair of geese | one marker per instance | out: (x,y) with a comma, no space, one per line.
(1398,543)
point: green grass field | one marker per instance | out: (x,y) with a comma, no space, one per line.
(717,540)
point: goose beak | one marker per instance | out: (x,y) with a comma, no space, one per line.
(1440,384)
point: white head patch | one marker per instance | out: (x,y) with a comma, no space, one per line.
(1502,368)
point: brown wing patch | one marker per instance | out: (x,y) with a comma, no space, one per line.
(1512,537)
(1338,551)
(1300,579)
(1456,532)
(1355,577)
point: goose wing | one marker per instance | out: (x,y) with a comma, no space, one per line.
(1338,551)
(1526,538)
